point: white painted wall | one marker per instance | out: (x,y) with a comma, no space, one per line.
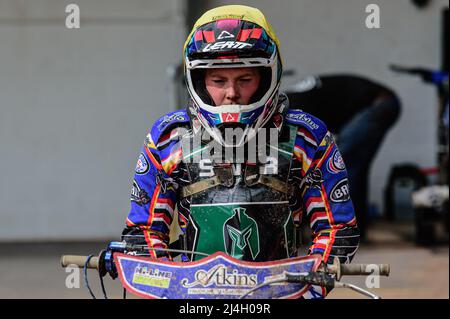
(323,36)
(74,110)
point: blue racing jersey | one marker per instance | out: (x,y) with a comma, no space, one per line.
(317,176)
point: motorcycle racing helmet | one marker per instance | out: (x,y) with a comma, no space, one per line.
(232,36)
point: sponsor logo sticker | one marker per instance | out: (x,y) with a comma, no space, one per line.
(222,277)
(230,117)
(151,277)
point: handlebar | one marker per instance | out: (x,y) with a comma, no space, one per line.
(340,270)
(427,75)
(409,70)
(365,269)
(80,261)
(336,268)
(327,275)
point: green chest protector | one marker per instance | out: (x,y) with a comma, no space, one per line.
(242,209)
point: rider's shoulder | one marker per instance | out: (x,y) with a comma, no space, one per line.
(308,122)
(167,122)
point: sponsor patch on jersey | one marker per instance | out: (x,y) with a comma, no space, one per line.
(336,164)
(302,118)
(315,179)
(141,165)
(175,117)
(138,195)
(340,192)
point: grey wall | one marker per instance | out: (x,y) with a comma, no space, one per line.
(322,36)
(74,110)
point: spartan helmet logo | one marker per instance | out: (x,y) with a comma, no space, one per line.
(241,235)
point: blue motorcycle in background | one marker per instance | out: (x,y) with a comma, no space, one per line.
(430,202)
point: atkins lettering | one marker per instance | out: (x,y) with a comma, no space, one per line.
(221,276)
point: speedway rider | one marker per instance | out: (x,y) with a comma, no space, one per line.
(233,67)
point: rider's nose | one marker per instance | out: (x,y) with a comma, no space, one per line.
(232,94)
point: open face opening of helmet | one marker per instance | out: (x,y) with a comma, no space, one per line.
(232,86)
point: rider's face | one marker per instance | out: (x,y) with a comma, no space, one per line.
(232,86)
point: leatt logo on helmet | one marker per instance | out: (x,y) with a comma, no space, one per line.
(225,35)
(225,45)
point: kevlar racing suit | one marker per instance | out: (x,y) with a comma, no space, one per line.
(248,211)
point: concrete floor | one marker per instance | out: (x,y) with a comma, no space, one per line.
(416,272)
(34,271)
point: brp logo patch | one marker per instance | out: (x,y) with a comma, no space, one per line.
(141,165)
(336,163)
(340,192)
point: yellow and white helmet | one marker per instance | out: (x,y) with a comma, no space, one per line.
(232,36)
